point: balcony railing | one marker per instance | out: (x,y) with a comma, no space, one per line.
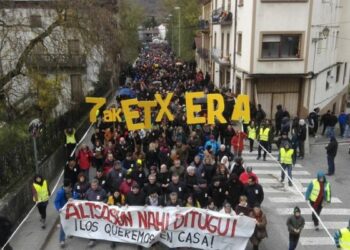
(57,61)
(204,25)
(216,15)
(203,53)
(222,60)
(226,18)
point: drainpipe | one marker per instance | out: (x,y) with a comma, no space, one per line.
(234,50)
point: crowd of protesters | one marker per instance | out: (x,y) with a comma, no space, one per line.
(175,164)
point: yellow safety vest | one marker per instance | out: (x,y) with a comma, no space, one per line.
(41,191)
(344,240)
(316,190)
(264,134)
(286,156)
(251,133)
(70,139)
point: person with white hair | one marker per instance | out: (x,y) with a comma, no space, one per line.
(301,135)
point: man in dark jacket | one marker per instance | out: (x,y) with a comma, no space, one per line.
(301,137)
(177,186)
(254,192)
(71,171)
(313,121)
(135,197)
(295,224)
(278,119)
(332,149)
(234,190)
(260,115)
(152,186)
(325,118)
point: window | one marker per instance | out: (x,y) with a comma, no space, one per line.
(338,73)
(345,71)
(281,46)
(240,3)
(229,5)
(239,43)
(238,85)
(222,44)
(228,44)
(328,85)
(73,47)
(76,88)
(35,21)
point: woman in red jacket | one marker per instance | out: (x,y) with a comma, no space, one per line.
(237,142)
(84,159)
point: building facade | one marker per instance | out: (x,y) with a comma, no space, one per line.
(291,52)
(61,55)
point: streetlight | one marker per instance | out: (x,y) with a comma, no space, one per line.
(35,128)
(179,9)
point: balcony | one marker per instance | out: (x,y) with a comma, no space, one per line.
(203,53)
(218,57)
(204,26)
(57,61)
(216,16)
(226,18)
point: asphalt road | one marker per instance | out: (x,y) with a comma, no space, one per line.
(279,203)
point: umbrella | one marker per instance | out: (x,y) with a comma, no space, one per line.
(126,92)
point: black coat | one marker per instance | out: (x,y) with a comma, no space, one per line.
(332,148)
(255,194)
(135,199)
(235,190)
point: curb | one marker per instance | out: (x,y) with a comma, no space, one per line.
(49,235)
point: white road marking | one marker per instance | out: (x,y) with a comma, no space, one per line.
(328,224)
(313,241)
(266,164)
(278,172)
(307,211)
(296,199)
(274,180)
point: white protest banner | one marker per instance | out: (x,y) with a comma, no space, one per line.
(174,227)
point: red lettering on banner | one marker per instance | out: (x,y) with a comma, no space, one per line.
(179,221)
(152,220)
(223,233)
(75,213)
(211,228)
(96,216)
(143,221)
(234,224)
(91,206)
(200,225)
(82,212)
(126,219)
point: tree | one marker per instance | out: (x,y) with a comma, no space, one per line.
(190,12)
(107,30)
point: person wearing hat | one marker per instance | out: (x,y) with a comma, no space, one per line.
(295,224)
(287,162)
(332,149)
(342,238)
(244,177)
(318,192)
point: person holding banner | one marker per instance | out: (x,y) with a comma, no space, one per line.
(260,231)
(62,196)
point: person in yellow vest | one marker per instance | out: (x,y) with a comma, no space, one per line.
(287,161)
(342,238)
(318,191)
(71,142)
(41,195)
(251,135)
(263,137)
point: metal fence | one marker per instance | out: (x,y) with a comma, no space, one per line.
(17,160)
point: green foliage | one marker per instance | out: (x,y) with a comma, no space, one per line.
(150,22)
(130,18)
(46,92)
(189,13)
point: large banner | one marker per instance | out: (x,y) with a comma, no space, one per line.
(174,227)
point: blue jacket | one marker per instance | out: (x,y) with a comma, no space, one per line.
(60,199)
(342,118)
(214,146)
